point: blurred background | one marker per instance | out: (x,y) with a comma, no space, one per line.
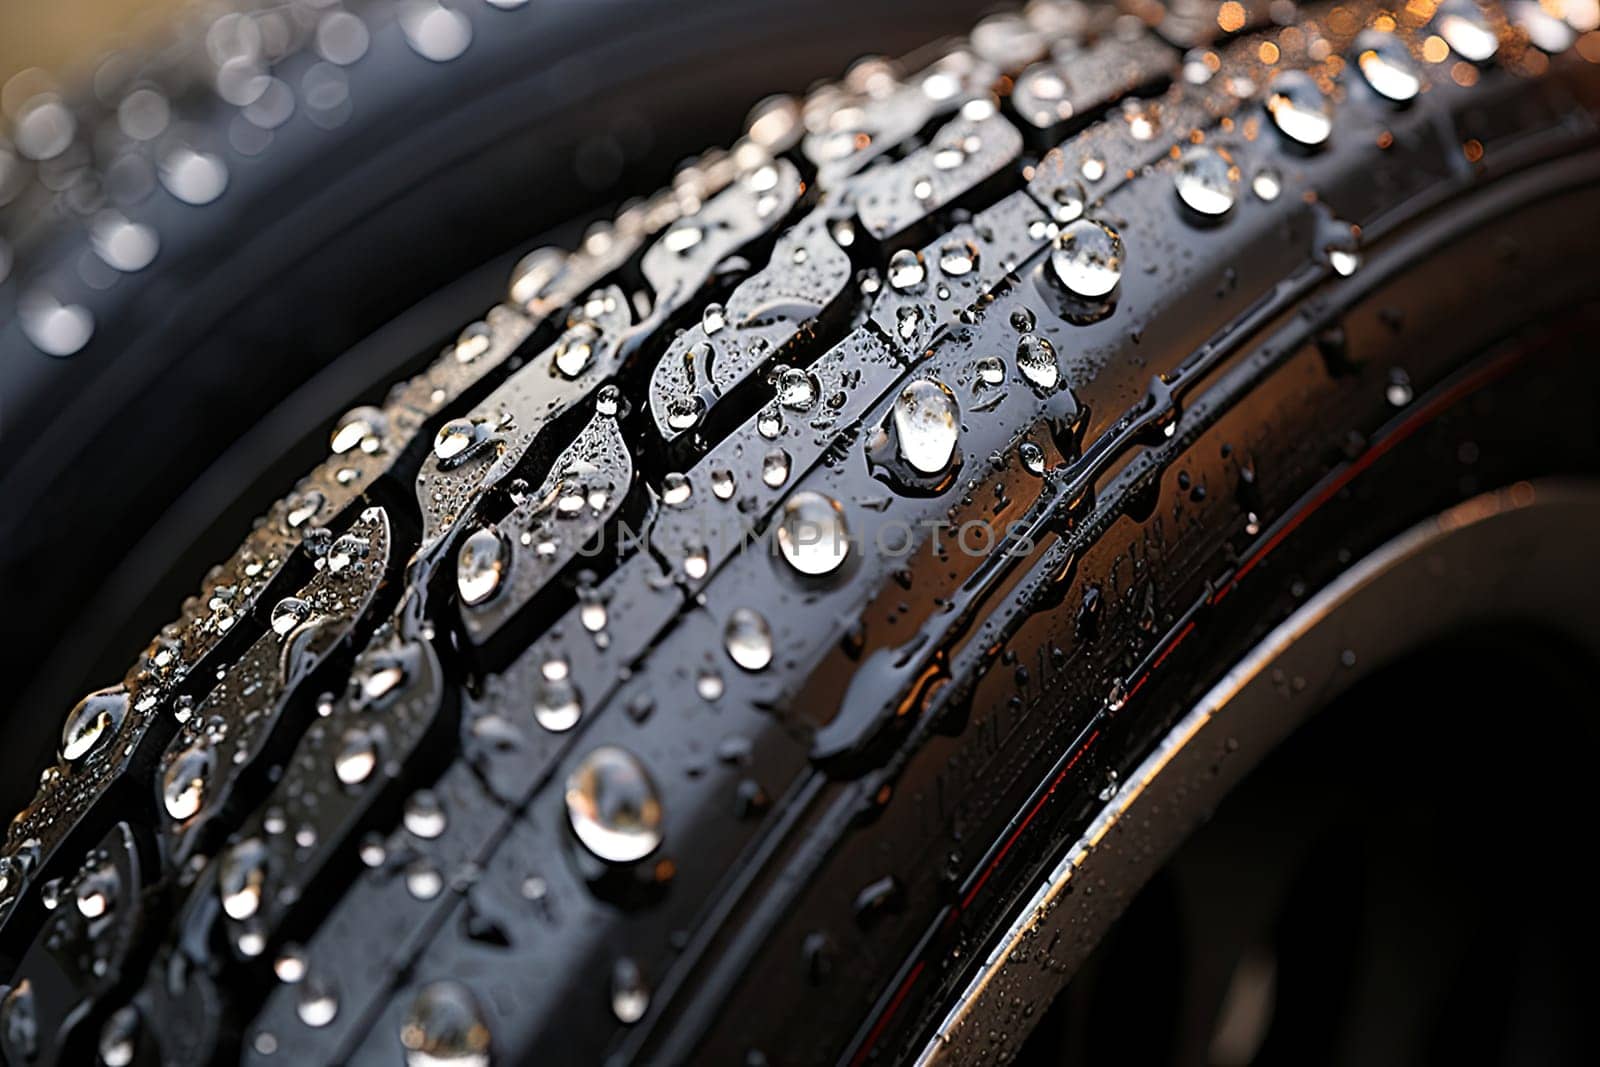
(59,35)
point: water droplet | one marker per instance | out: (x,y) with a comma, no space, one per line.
(1036,359)
(722,483)
(613,806)
(684,411)
(713,319)
(682,237)
(748,639)
(183,787)
(196,178)
(94,721)
(361,427)
(480,565)
(241,875)
(125,245)
(435,32)
(676,490)
(1299,109)
(1267,184)
(775,468)
(1092,169)
(1088,259)
(927,425)
(357,756)
(1547,30)
(456,437)
(557,706)
(444,1027)
(97,890)
(473,342)
(1398,392)
(1387,66)
(906,270)
(812,534)
(288,613)
(531,277)
(56,329)
(1341,247)
(576,349)
(119,1037)
(1205,181)
(1066,202)
(317,1006)
(424,815)
(290,966)
(957,258)
(630,997)
(1032,456)
(422,880)
(345,551)
(907,321)
(795,389)
(769,422)
(709,685)
(991,370)
(1464,28)
(1199,64)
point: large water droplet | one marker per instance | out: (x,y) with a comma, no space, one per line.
(1545,23)
(927,425)
(531,277)
(957,258)
(434,31)
(444,1027)
(196,178)
(288,613)
(684,411)
(1465,28)
(361,427)
(557,705)
(56,329)
(241,876)
(775,468)
(906,270)
(456,437)
(318,1005)
(576,349)
(424,815)
(748,639)
(1299,109)
(1205,181)
(126,245)
(183,787)
(613,805)
(1088,259)
(1387,66)
(94,721)
(480,565)
(1036,359)
(794,388)
(812,534)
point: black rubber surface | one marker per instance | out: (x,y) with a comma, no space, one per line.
(536,722)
